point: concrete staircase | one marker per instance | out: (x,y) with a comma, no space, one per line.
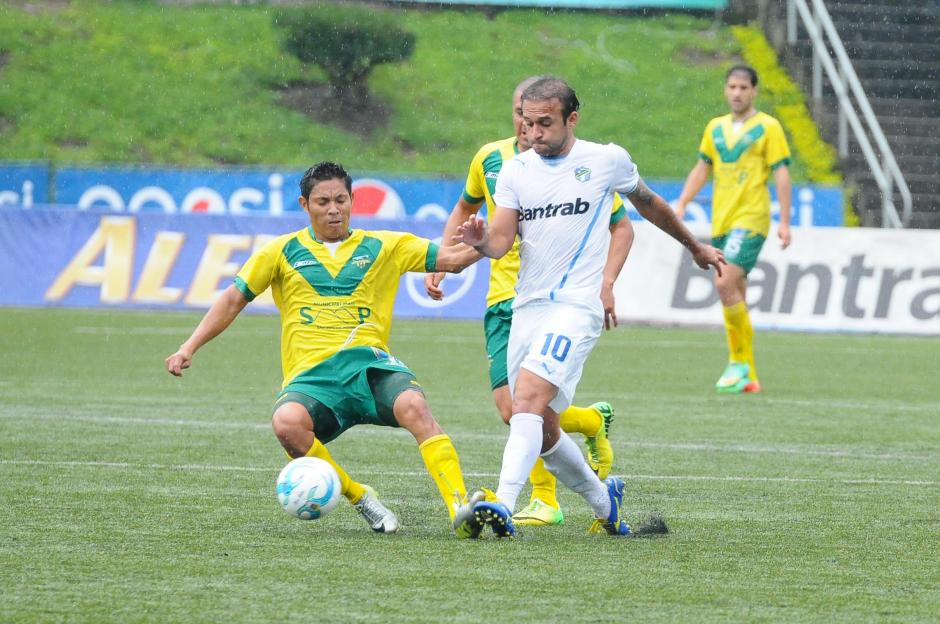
(895,49)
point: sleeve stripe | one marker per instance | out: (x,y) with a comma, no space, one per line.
(470,198)
(618,215)
(783,162)
(430,261)
(705,158)
(243,287)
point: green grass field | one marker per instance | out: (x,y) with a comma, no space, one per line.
(161,83)
(132,496)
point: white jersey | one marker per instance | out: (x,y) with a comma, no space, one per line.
(564,213)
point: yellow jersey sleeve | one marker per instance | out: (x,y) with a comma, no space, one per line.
(474,191)
(261,269)
(617,210)
(413,253)
(706,148)
(777,151)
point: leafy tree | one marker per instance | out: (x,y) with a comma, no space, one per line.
(346,42)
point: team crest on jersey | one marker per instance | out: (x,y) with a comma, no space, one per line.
(303,263)
(582,174)
(362,261)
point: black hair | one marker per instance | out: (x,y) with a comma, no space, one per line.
(549,88)
(321,172)
(743,69)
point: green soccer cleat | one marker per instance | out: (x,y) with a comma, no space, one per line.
(539,514)
(734,380)
(466,523)
(600,451)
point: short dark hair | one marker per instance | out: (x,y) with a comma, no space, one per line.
(549,88)
(743,69)
(321,172)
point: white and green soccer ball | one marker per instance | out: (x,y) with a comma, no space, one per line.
(308,488)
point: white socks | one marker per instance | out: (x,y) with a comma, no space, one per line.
(522,449)
(564,460)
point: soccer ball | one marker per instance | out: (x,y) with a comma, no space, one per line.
(308,488)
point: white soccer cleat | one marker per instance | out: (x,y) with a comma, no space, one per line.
(380,518)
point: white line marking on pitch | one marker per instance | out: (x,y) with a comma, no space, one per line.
(415,473)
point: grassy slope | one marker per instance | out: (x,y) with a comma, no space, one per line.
(139,82)
(132,496)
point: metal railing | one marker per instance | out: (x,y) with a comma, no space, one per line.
(822,32)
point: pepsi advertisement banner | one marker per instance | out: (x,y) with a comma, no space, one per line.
(274,192)
(24,185)
(154,260)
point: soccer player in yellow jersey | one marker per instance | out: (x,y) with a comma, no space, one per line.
(335,289)
(593,421)
(741,150)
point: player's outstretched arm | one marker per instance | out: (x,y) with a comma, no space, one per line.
(462,211)
(455,258)
(655,210)
(784,198)
(693,184)
(621,240)
(219,316)
(493,240)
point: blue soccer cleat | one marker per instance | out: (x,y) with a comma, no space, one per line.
(614,524)
(497,515)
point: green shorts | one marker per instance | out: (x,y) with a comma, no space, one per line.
(741,247)
(496,324)
(357,386)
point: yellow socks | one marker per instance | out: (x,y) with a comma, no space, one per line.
(440,458)
(583,420)
(740,336)
(352,490)
(543,484)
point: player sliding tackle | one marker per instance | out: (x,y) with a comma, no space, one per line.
(557,198)
(335,288)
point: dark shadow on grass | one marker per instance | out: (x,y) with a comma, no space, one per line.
(362,114)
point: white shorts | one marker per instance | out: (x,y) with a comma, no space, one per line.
(552,340)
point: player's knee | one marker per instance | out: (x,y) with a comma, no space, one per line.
(289,419)
(412,412)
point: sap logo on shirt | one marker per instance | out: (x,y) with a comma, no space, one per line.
(555,210)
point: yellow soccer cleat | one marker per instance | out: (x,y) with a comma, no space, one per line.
(600,451)
(539,514)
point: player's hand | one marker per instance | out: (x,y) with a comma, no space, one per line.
(472,232)
(783,231)
(176,363)
(432,285)
(680,211)
(610,309)
(706,256)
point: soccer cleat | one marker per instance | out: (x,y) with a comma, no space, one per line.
(614,524)
(380,518)
(497,515)
(600,452)
(734,380)
(466,523)
(539,514)
(752,387)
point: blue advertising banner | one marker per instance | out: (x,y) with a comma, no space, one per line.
(62,257)
(272,192)
(23,184)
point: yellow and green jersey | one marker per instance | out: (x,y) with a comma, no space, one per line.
(741,163)
(330,302)
(480,186)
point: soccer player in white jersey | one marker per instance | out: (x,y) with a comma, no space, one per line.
(555,197)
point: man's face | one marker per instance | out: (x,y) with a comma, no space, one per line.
(740,93)
(545,127)
(328,206)
(521,137)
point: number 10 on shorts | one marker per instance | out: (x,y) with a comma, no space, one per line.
(557,346)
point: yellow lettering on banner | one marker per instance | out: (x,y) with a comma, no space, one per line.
(215,266)
(114,239)
(150,287)
(265,298)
